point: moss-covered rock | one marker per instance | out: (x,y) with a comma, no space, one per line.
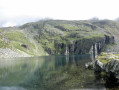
(107,65)
(107,57)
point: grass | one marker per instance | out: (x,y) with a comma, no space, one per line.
(16,36)
(4,45)
(16,39)
(69,26)
(107,57)
(30,51)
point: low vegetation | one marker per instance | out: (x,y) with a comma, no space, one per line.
(107,57)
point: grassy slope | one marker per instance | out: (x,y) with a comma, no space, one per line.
(14,38)
(107,57)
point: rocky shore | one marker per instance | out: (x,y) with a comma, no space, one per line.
(106,65)
(8,53)
(106,69)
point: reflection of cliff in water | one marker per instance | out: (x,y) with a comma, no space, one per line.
(62,72)
(109,80)
(48,73)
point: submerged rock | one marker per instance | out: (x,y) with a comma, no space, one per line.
(89,65)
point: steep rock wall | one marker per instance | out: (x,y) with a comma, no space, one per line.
(91,46)
(99,45)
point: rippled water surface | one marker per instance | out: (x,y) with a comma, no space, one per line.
(48,73)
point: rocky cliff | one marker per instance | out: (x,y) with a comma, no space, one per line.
(99,45)
(92,45)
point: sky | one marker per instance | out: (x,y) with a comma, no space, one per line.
(18,12)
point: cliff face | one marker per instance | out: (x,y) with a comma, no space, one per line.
(56,37)
(92,45)
(98,46)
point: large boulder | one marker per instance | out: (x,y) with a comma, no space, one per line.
(108,63)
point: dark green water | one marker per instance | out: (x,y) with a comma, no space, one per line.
(48,73)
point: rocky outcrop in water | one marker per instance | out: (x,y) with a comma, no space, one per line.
(108,64)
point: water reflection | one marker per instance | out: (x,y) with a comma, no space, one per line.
(12,88)
(48,73)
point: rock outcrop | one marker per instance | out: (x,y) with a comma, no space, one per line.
(108,63)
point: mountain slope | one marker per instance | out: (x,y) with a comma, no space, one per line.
(57,37)
(18,42)
(111,27)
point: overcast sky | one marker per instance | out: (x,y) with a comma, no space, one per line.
(16,12)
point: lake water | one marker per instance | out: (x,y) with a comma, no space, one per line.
(48,73)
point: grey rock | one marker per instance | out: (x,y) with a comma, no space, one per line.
(111,67)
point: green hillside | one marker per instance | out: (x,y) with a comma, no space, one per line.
(58,36)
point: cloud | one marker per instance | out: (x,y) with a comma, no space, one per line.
(7,24)
(18,12)
(17,21)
